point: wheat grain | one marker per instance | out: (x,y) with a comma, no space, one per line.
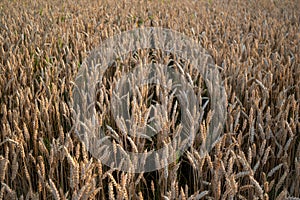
(54,190)
(3,167)
(281,180)
(257,186)
(266,155)
(14,166)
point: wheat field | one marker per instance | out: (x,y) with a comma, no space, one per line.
(256,45)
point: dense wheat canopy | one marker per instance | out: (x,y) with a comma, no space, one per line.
(256,45)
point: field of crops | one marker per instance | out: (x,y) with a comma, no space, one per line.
(256,45)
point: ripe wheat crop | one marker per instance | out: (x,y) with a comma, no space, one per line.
(256,45)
